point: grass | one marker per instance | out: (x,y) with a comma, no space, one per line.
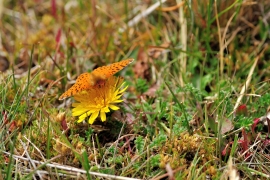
(197,105)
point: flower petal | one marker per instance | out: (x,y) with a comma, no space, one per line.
(113,107)
(82,117)
(78,111)
(117,97)
(105,109)
(123,90)
(117,101)
(102,116)
(93,117)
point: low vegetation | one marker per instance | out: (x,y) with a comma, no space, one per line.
(196,104)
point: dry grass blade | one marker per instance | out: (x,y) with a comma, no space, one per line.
(30,159)
(246,85)
(183,38)
(68,168)
(230,171)
(221,44)
(173,7)
(141,15)
(38,150)
(168,173)
(1,9)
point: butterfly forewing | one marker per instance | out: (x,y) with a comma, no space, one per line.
(82,83)
(106,71)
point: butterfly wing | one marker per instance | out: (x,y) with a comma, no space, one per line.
(104,72)
(88,80)
(82,83)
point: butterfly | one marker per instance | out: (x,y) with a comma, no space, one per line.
(96,77)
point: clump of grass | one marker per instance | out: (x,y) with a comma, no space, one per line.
(182,150)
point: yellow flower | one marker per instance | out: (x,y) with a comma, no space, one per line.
(98,100)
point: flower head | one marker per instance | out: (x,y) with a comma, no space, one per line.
(98,100)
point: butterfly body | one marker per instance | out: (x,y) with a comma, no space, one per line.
(96,77)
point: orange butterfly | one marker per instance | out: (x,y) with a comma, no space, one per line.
(87,80)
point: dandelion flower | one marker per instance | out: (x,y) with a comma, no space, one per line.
(98,100)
